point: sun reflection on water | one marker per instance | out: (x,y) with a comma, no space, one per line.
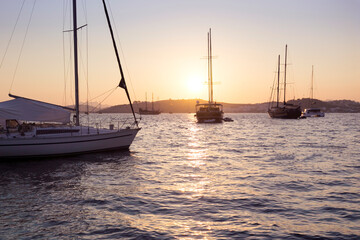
(195,183)
(254,178)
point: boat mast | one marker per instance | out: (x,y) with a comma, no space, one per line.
(278,83)
(152,101)
(285,74)
(208,43)
(122,83)
(312,83)
(211,76)
(146,101)
(77,112)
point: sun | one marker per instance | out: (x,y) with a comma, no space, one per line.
(194,84)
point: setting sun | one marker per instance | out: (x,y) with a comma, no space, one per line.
(195,84)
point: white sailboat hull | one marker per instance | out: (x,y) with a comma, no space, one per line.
(312,112)
(54,146)
(313,115)
(31,128)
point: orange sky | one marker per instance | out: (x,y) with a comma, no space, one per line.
(164,44)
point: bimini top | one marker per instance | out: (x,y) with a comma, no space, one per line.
(31,110)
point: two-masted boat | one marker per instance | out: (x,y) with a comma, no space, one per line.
(31,128)
(147,111)
(285,110)
(210,112)
(312,111)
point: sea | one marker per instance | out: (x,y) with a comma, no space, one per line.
(253,178)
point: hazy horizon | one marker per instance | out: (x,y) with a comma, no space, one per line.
(164,44)
(194,99)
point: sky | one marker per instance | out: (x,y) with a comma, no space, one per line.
(163,47)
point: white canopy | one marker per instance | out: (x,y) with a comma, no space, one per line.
(32,110)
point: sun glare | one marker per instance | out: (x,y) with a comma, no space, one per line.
(194,84)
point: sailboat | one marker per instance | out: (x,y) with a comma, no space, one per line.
(312,111)
(209,112)
(32,128)
(287,110)
(149,112)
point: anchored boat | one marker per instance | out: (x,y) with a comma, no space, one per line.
(209,112)
(31,128)
(147,111)
(286,110)
(312,111)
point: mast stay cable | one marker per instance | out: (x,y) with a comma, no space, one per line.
(22,46)
(12,34)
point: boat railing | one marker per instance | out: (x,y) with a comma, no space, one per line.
(108,121)
(115,123)
(13,128)
(209,107)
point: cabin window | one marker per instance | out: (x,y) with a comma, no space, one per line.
(12,123)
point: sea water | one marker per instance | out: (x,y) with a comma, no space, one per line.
(254,178)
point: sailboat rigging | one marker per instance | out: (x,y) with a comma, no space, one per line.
(210,112)
(146,111)
(287,110)
(32,128)
(312,111)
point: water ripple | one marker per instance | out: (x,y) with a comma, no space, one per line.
(254,178)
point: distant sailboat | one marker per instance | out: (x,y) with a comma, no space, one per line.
(289,111)
(312,111)
(149,112)
(32,128)
(209,112)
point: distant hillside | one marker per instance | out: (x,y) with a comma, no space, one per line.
(93,107)
(165,106)
(188,106)
(337,106)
